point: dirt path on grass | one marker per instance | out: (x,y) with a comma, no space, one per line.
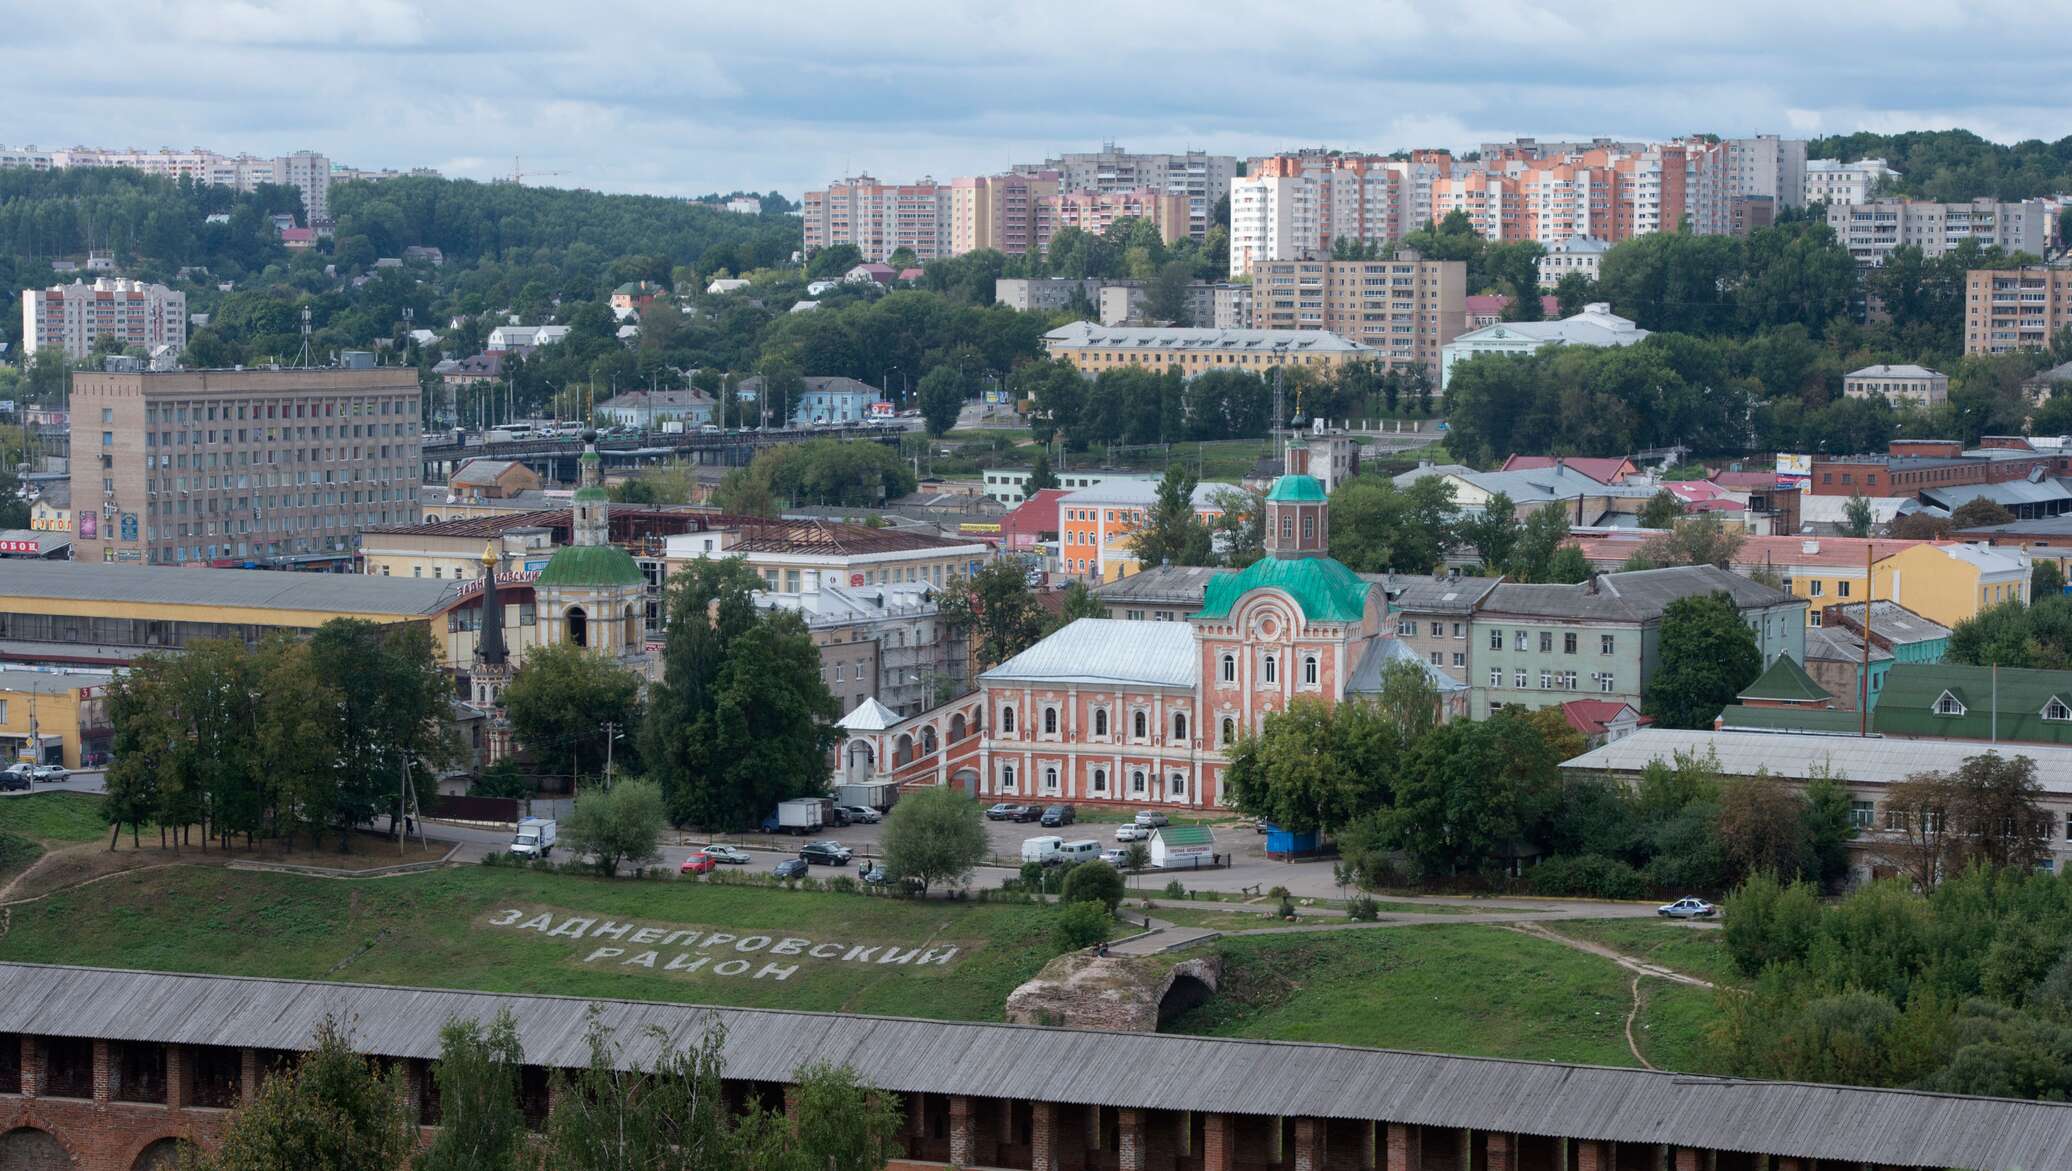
(1634,964)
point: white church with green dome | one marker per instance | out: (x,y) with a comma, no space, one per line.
(1140,712)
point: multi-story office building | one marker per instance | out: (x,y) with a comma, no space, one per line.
(1404,307)
(879,218)
(270,466)
(71,318)
(1836,183)
(1202,178)
(1871,231)
(2015,309)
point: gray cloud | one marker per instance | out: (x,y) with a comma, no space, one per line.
(684,97)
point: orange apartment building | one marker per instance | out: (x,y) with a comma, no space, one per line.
(2015,308)
(1404,307)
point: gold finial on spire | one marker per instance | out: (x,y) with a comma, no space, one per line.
(489,553)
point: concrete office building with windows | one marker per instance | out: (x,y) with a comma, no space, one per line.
(279,467)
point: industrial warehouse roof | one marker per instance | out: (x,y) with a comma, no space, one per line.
(1876,760)
(1108,651)
(1085,334)
(1132,1070)
(342,593)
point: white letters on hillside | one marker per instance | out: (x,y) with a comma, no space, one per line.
(711,952)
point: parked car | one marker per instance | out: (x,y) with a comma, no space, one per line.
(1116,858)
(826,853)
(11,781)
(1688,908)
(1057,815)
(876,876)
(1029,813)
(699,863)
(1130,831)
(1004,811)
(1150,818)
(859,814)
(789,868)
(26,772)
(728,855)
(49,774)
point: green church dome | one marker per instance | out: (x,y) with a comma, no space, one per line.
(590,567)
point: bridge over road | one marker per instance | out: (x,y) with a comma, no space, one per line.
(554,457)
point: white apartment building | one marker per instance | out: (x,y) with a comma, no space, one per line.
(308,171)
(1295,207)
(1871,231)
(1583,255)
(70,318)
(1833,182)
(1908,384)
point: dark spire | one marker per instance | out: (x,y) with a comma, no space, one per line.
(489,645)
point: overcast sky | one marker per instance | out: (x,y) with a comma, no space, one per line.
(688,96)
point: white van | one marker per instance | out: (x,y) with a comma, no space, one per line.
(1044,850)
(1083,850)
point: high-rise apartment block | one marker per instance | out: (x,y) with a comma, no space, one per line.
(1295,207)
(1095,212)
(2015,308)
(1871,231)
(879,218)
(1014,213)
(71,318)
(1204,179)
(1404,307)
(307,171)
(274,466)
(1611,195)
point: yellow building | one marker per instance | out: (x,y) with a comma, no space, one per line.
(1949,583)
(1094,348)
(54,717)
(52,511)
(795,556)
(452,550)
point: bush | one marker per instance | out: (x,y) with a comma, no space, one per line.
(1094,882)
(1032,875)
(1287,908)
(1079,926)
(1770,923)
(1589,875)
(842,884)
(1277,892)
(1174,890)
(1362,909)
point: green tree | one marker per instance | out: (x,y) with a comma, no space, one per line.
(1040,475)
(566,704)
(996,606)
(617,1114)
(1573,291)
(1094,882)
(2046,580)
(1978,512)
(1314,767)
(1543,534)
(943,392)
(330,1112)
(836,1124)
(1377,527)
(393,707)
(935,835)
(1237,531)
(480,1123)
(1172,532)
(1700,540)
(1762,827)
(1707,656)
(1568,566)
(1661,510)
(1494,531)
(1078,926)
(1468,792)
(1079,602)
(617,825)
(1857,516)
(1166,294)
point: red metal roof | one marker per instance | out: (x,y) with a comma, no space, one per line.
(1589,716)
(1603,469)
(1031,518)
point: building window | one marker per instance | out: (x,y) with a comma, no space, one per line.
(1813,587)
(1230,668)
(1180,726)
(1006,720)
(1050,780)
(1179,788)
(1007,777)
(1568,643)
(1100,721)
(1272,669)
(2056,710)
(1438,630)
(1604,682)
(1137,782)
(1860,814)
(1496,640)
(1459,659)
(1842,589)
(1546,681)
(1522,641)
(1140,725)
(1309,670)
(1229,731)
(1546,642)
(1496,676)
(1606,644)
(1050,721)
(1520,680)
(1100,780)
(1947,705)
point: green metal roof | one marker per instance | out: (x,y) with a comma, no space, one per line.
(593,492)
(590,566)
(1325,590)
(1906,706)
(1298,488)
(1786,682)
(1186,835)
(1790,719)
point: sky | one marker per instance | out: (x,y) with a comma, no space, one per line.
(685,97)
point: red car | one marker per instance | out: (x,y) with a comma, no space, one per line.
(699,863)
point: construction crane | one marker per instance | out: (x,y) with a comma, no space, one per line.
(519,174)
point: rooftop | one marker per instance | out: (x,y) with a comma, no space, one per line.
(1086,334)
(1381,654)
(1892,622)
(1603,469)
(1420,594)
(1905,371)
(2010,703)
(1108,651)
(1785,681)
(261,589)
(1596,325)
(1140,492)
(20,680)
(1839,643)
(1590,716)
(1267,1079)
(1874,760)
(1176,585)
(1324,589)
(1637,596)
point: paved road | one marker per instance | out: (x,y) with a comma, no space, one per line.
(89,781)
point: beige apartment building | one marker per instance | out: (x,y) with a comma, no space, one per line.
(220,466)
(1015,214)
(1905,384)
(879,218)
(1405,307)
(2015,308)
(1094,348)
(71,318)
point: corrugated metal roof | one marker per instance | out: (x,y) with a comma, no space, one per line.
(342,593)
(1872,760)
(1108,651)
(1135,1070)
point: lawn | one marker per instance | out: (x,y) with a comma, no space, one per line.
(1672,1025)
(1694,951)
(479,927)
(1444,989)
(54,817)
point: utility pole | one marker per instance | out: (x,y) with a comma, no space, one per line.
(611,734)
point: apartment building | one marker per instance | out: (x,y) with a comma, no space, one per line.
(1872,230)
(1097,525)
(1094,212)
(2015,309)
(1406,308)
(1582,255)
(307,171)
(879,218)
(885,642)
(71,318)
(270,466)
(1094,348)
(1202,178)
(1839,184)
(1013,213)
(1045,294)
(1433,617)
(1902,384)
(1295,207)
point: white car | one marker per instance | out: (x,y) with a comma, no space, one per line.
(1687,909)
(731,855)
(1130,831)
(49,773)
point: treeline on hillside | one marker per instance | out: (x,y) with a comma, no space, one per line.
(1951,165)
